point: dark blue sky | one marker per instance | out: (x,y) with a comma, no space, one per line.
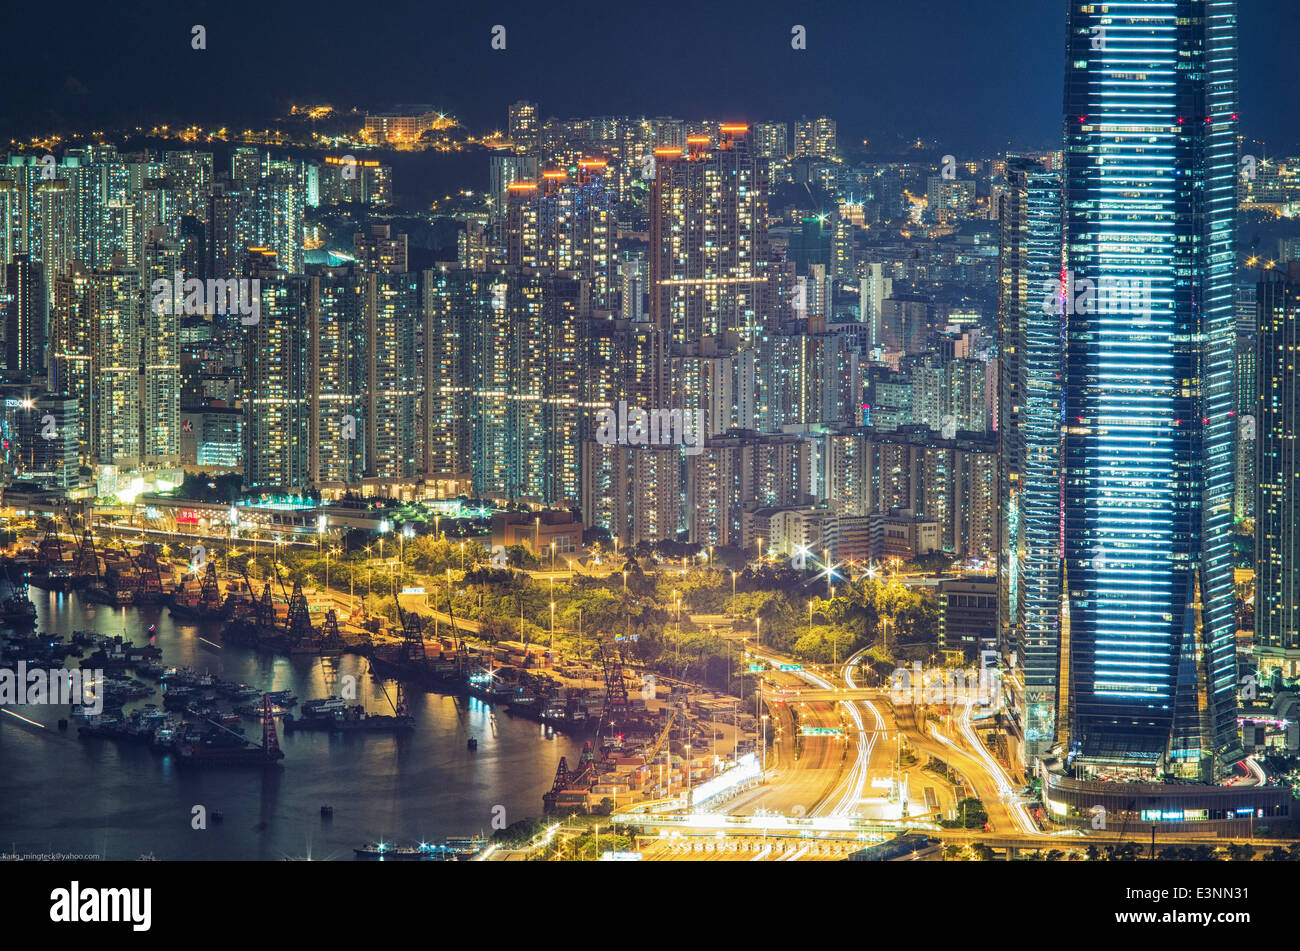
(967,74)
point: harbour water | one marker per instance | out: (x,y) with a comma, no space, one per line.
(60,793)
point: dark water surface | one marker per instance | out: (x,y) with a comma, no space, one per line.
(116,800)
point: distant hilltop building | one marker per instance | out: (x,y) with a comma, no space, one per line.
(404,126)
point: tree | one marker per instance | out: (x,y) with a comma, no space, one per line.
(970,815)
(518,556)
(519,833)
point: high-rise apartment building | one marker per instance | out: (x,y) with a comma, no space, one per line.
(116,338)
(507,391)
(523,126)
(276,376)
(708,239)
(160,398)
(815,138)
(566,222)
(24,324)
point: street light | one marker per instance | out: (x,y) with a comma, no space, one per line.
(407,532)
(552,625)
(764,769)
(688,776)
(677,656)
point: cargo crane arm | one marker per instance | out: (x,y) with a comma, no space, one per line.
(663,737)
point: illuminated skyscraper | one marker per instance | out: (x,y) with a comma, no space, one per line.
(341,309)
(71,351)
(25,316)
(1277,465)
(815,138)
(505,382)
(566,223)
(1150,137)
(772,141)
(708,238)
(1029,442)
(160,416)
(522,126)
(271,213)
(503,171)
(117,299)
(393,376)
(277,403)
(189,177)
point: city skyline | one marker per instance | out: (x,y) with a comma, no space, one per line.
(697,64)
(638,465)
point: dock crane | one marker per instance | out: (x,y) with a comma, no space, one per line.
(658,746)
(412,637)
(302,636)
(49,552)
(150,590)
(86,559)
(462,652)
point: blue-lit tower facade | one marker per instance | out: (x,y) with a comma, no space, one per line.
(1148,211)
(1029,435)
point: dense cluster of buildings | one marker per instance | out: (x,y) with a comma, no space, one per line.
(1049,365)
(195,310)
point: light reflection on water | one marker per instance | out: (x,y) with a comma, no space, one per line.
(59,793)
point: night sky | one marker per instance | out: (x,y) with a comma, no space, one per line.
(966,74)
